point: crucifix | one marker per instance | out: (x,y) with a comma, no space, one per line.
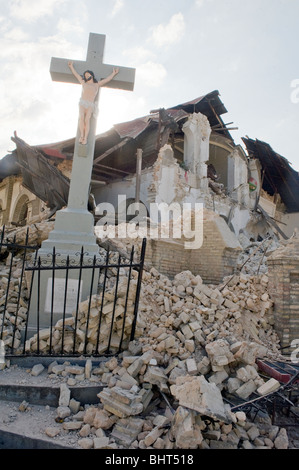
(100,74)
(74,225)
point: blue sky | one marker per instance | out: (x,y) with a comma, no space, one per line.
(181,49)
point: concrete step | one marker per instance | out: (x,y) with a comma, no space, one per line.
(17,384)
(26,429)
(47,395)
(10,440)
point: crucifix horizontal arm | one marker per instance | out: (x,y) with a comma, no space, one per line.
(60,71)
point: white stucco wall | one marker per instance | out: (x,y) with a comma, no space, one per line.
(290,222)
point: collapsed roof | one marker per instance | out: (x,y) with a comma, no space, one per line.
(115,150)
(115,153)
(278,177)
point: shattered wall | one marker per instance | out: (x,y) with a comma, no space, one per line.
(283,272)
(227,213)
(289,223)
(215,259)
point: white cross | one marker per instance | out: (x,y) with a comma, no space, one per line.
(60,71)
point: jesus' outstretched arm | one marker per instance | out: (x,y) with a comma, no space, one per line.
(109,78)
(74,72)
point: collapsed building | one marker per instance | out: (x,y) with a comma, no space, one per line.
(176,156)
(200,330)
(186,156)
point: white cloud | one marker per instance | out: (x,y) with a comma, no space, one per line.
(138,54)
(151,74)
(201,3)
(66,26)
(31,103)
(170,33)
(129,106)
(32,10)
(16,34)
(118,5)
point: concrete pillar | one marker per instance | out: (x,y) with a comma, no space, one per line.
(254,168)
(238,178)
(197,132)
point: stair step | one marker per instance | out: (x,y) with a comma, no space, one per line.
(26,430)
(44,395)
(10,440)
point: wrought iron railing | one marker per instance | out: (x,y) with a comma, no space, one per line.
(101,324)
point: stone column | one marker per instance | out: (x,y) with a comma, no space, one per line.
(254,168)
(197,132)
(237,180)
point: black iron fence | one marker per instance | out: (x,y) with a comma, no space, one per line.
(42,311)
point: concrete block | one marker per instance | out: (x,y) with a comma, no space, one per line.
(198,394)
(155,375)
(72,425)
(118,408)
(268,387)
(76,370)
(100,442)
(246,389)
(191,366)
(135,367)
(65,395)
(153,436)
(63,412)
(37,370)
(233,384)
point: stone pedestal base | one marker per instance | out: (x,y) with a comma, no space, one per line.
(58,292)
(73,230)
(55,291)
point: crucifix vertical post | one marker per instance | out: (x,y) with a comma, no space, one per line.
(74,225)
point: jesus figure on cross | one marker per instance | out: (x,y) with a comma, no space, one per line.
(87,105)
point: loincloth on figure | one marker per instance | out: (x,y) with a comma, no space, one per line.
(89,104)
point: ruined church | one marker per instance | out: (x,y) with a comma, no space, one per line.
(188,155)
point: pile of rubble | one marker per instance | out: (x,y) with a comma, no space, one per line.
(33,234)
(130,415)
(13,308)
(13,296)
(176,317)
(91,325)
(253,258)
(195,344)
